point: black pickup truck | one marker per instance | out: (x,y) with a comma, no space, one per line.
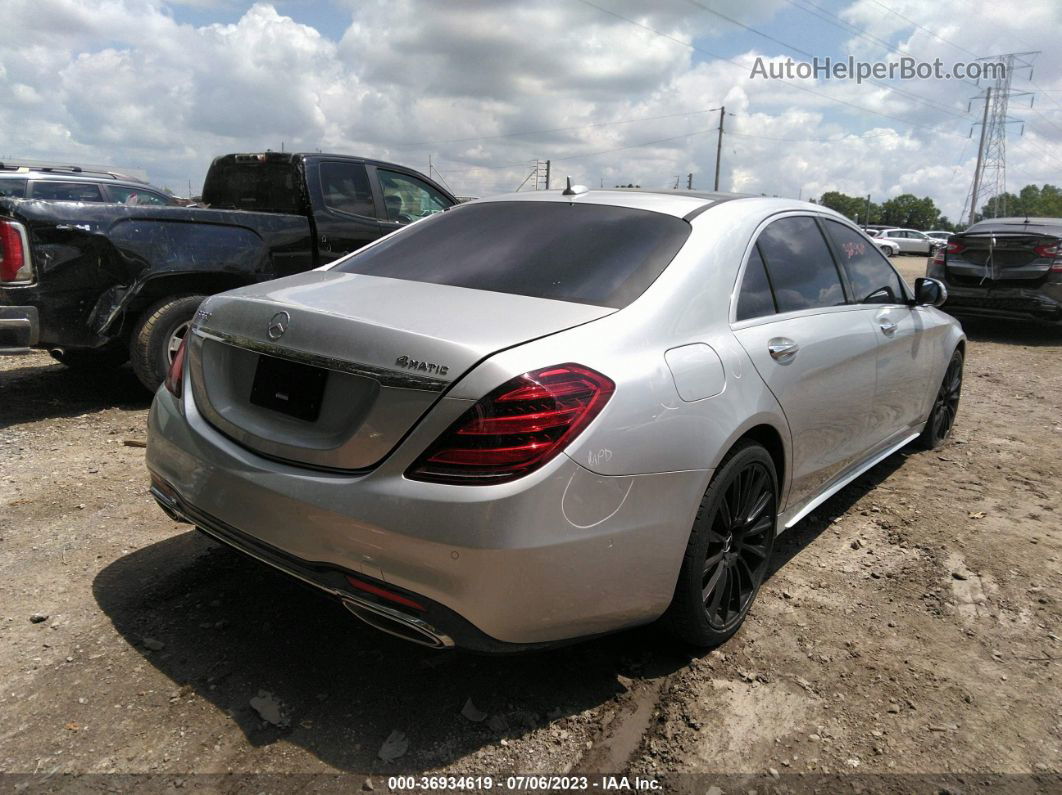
(98,284)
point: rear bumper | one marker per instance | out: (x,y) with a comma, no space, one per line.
(1005,303)
(560,554)
(1041,300)
(20,329)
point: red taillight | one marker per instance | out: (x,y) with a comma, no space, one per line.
(516,428)
(175,377)
(1049,251)
(384,593)
(12,255)
(951,248)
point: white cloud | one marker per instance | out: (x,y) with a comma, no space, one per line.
(123,81)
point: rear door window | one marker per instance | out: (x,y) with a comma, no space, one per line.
(800,265)
(754,297)
(346,188)
(66,191)
(13,188)
(871,276)
(136,197)
(583,253)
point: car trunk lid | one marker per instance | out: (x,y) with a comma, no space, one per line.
(331,370)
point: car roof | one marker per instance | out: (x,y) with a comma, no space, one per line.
(679,203)
(293,156)
(29,170)
(52,176)
(81,178)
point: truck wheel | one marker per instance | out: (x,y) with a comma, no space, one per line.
(157,336)
(86,360)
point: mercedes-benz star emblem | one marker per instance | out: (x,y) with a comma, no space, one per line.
(278,324)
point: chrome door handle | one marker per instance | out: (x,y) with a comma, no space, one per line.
(782,349)
(888,327)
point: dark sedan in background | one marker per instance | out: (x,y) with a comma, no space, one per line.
(1004,267)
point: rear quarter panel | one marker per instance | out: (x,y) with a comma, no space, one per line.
(647,426)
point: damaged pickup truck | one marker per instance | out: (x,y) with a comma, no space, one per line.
(98,284)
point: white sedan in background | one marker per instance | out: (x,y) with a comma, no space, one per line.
(886,247)
(910,241)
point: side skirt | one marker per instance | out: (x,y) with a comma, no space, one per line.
(845,479)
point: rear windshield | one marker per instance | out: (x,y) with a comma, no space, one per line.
(270,187)
(583,253)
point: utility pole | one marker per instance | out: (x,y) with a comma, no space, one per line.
(689,181)
(719,146)
(980,158)
(547,175)
(867,221)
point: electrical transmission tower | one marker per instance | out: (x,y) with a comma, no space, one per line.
(990,174)
(538,178)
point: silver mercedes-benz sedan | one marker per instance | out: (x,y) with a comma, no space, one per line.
(540,417)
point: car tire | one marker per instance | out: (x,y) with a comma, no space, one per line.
(87,360)
(729,552)
(157,335)
(945,406)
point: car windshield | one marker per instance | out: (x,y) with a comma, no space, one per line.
(583,253)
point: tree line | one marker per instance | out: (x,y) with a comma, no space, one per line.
(907,210)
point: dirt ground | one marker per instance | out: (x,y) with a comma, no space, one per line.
(909,637)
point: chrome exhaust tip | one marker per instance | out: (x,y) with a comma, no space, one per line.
(168,505)
(398,624)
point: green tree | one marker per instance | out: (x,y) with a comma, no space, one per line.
(853,207)
(1031,201)
(910,211)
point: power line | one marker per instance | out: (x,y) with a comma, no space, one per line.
(927,30)
(635,146)
(812,140)
(553,130)
(926,101)
(580,155)
(823,14)
(826,15)
(744,67)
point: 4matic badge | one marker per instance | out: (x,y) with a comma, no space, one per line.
(424,367)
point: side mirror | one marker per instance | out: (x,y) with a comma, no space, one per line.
(930,292)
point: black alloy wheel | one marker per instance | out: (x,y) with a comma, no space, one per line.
(729,551)
(739,546)
(945,405)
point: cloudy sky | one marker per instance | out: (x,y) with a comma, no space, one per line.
(612,91)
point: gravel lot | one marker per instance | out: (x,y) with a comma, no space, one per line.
(911,626)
